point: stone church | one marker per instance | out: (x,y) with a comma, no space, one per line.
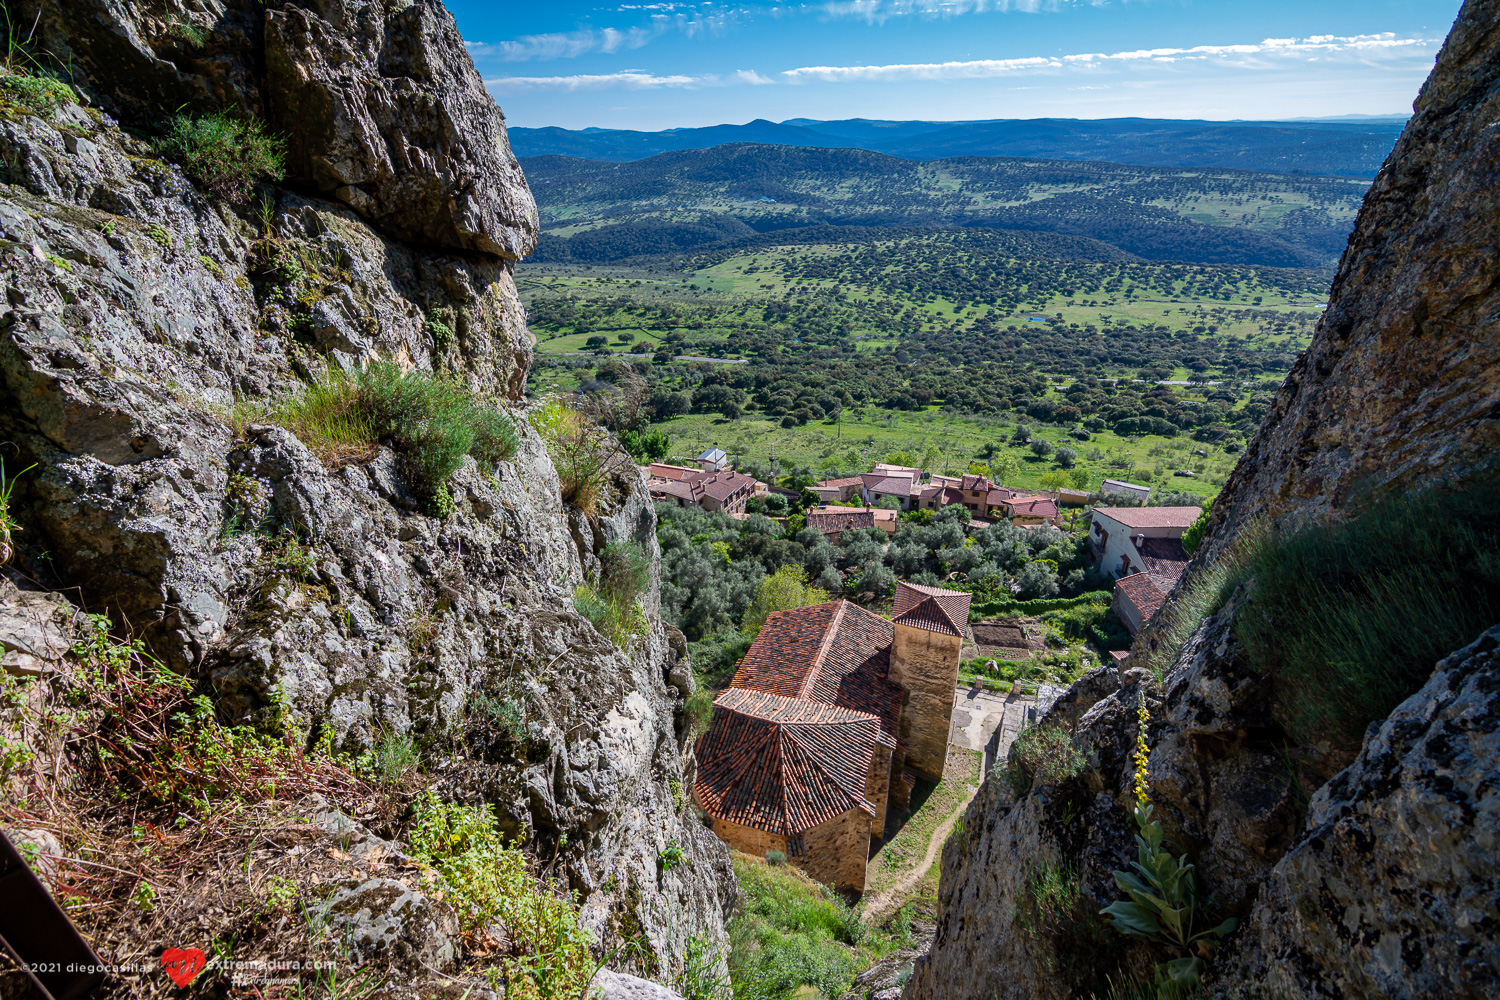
(830,718)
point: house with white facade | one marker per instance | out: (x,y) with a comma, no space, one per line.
(1127,540)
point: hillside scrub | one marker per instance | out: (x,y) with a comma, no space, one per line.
(226,155)
(431,421)
(1350,617)
(794,933)
(492,885)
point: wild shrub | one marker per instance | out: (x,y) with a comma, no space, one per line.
(1351,617)
(431,421)
(7,519)
(616,620)
(150,733)
(226,155)
(625,571)
(783,590)
(1042,755)
(700,713)
(394,758)
(1166,903)
(1205,593)
(491,882)
(1193,536)
(581,451)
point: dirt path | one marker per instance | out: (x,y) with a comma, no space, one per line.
(879,908)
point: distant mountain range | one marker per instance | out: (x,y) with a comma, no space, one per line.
(1352,146)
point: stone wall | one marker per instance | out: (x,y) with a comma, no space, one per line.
(878,786)
(925,663)
(836,852)
(747,839)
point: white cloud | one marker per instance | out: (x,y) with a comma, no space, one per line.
(751,77)
(584,41)
(880,11)
(627,80)
(1268,53)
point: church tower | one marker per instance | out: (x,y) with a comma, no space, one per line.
(930,624)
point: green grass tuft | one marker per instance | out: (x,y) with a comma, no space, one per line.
(1352,617)
(431,421)
(34,95)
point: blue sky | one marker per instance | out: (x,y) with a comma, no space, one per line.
(657,64)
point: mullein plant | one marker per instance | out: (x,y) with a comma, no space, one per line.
(1166,904)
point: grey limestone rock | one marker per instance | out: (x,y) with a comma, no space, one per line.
(147,332)
(611,985)
(393,120)
(382,921)
(1391,892)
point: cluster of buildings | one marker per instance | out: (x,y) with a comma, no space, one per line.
(914,489)
(710,483)
(830,718)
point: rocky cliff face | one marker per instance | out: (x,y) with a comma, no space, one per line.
(145,323)
(1363,878)
(1399,387)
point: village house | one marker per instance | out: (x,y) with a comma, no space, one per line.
(713,460)
(1026,512)
(1126,540)
(834,522)
(1141,493)
(1136,600)
(674,473)
(830,718)
(935,496)
(839,490)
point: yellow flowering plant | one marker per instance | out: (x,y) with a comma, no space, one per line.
(1166,902)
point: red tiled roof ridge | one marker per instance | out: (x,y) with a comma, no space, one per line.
(785,711)
(829,631)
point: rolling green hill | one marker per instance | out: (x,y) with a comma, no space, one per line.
(745,195)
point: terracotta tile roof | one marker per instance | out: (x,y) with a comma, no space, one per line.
(972,483)
(892,486)
(663,471)
(835,654)
(1151,517)
(792,740)
(690,492)
(1165,559)
(1032,507)
(782,764)
(841,483)
(723,485)
(955,603)
(1140,590)
(930,615)
(828,521)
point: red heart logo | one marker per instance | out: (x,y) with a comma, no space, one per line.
(182,964)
